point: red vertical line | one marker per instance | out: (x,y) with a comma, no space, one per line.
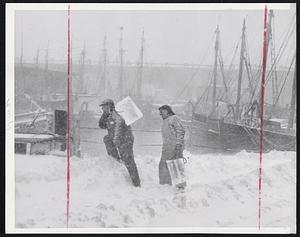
(262,115)
(68,125)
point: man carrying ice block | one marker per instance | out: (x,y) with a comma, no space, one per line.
(119,140)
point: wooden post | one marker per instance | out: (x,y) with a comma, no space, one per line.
(28,148)
(75,136)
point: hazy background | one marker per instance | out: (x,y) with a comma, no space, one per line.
(171,36)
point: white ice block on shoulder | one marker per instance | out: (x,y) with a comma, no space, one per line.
(128,110)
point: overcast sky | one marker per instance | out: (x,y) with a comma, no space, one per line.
(171,36)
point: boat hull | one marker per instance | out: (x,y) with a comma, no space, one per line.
(204,133)
(240,137)
(219,135)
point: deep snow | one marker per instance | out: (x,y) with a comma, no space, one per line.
(222,192)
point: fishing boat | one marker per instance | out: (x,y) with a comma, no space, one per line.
(240,127)
(243,131)
(204,132)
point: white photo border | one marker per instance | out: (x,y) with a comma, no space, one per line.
(11,8)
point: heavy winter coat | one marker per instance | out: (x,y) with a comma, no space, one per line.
(172,134)
(119,142)
(117,129)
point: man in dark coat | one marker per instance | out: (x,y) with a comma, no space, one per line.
(173,141)
(119,140)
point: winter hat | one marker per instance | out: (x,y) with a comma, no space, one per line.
(168,108)
(108,102)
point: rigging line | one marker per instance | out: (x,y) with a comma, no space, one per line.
(281,89)
(236,49)
(280,53)
(274,50)
(206,91)
(287,35)
(229,73)
(236,45)
(185,86)
(284,44)
(290,25)
(221,62)
(256,83)
(251,70)
(248,66)
(195,73)
(248,61)
(249,76)
(231,65)
(220,94)
(250,86)
(278,56)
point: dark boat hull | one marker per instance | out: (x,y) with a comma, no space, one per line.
(239,137)
(217,135)
(204,133)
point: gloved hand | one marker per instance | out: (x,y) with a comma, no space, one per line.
(178,151)
(103,120)
(116,142)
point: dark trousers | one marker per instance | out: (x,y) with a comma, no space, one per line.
(126,155)
(164,174)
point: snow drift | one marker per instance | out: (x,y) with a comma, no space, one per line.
(222,192)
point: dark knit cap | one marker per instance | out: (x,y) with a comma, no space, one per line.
(108,102)
(168,108)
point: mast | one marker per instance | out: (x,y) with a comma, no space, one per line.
(141,65)
(273,59)
(82,68)
(293,101)
(269,31)
(21,61)
(249,76)
(242,58)
(45,70)
(223,76)
(37,57)
(103,79)
(121,53)
(215,71)
(46,57)
(267,39)
(37,72)
(21,56)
